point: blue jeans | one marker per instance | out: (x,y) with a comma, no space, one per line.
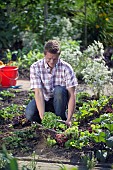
(57,104)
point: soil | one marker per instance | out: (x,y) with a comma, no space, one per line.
(38,143)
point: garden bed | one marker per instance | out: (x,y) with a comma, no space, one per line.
(22,137)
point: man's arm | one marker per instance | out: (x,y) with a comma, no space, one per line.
(71,104)
(39,98)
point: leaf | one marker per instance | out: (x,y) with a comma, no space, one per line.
(97,120)
(93,110)
(101,155)
(109,142)
(99,137)
(13,164)
(109,126)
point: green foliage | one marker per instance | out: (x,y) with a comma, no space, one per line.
(101,155)
(109,142)
(16,139)
(102,119)
(73,132)
(99,137)
(63,167)
(88,108)
(97,20)
(59,27)
(9,33)
(25,60)
(70,52)
(30,43)
(4,95)
(9,162)
(96,73)
(51,141)
(11,111)
(98,131)
(28,59)
(50,121)
(89,160)
(88,64)
(79,20)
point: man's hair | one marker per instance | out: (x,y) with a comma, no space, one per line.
(52,46)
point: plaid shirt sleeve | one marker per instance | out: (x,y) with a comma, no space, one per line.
(35,79)
(71,80)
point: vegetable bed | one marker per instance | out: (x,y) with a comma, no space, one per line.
(90,136)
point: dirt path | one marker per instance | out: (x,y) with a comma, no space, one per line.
(56,165)
(25,84)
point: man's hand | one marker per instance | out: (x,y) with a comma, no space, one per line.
(68,123)
(41,117)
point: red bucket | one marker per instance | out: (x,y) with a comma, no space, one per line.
(8,76)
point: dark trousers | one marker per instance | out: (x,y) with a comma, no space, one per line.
(57,104)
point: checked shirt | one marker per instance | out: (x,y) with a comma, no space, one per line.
(42,77)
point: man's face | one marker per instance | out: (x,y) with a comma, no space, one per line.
(51,59)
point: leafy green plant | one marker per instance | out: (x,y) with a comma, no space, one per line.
(17,139)
(99,137)
(13,141)
(109,126)
(50,120)
(30,97)
(9,162)
(90,107)
(89,160)
(86,110)
(72,132)
(72,143)
(96,77)
(6,94)
(11,111)
(76,138)
(109,142)
(50,141)
(101,155)
(81,97)
(102,119)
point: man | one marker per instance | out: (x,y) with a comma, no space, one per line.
(54,84)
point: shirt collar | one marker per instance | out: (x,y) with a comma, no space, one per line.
(46,65)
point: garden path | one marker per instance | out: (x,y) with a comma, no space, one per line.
(81,87)
(44,165)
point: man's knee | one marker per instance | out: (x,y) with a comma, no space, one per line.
(28,113)
(60,91)
(30,110)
